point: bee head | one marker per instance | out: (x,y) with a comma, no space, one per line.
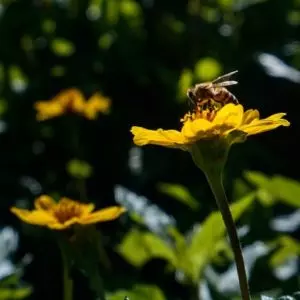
(190,93)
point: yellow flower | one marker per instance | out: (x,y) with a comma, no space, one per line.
(61,215)
(72,100)
(206,125)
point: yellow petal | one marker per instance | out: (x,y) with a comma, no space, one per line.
(70,99)
(275,117)
(230,114)
(103,215)
(48,109)
(193,130)
(65,225)
(35,217)
(44,202)
(167,138)
(97,103)
(84,207)
(263,126)
(250,115)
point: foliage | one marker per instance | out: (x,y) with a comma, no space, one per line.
(143,55)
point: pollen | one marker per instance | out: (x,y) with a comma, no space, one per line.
(66,210)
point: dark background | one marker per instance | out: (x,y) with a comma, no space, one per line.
(135,52)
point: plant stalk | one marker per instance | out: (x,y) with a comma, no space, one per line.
(216,184)
(67,280)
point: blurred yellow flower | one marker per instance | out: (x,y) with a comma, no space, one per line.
(63,214)
(72,100)
(229,121)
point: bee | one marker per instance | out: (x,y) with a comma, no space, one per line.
(207,93)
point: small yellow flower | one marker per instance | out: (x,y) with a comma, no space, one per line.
(63,214)
(72,100)
(210,125)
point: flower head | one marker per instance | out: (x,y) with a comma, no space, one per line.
(209,124)
(63,214)
(72,100)
(208,133)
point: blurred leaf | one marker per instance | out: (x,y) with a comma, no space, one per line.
(288,247)
(79,169)
(180,193)
(58,71)
(106,40)
(3,106)
(209,14)
(226,4)
(48,26)
(263,183)
(179,238)
(138,292)
(204,242)
(62,47)
(15,293)
(174,24)
(130,8)
(185,81)
(257,178)
(287,190)
(18,80)
(240,189)
(138,247)
(112,11)
(293,17)
(207,69)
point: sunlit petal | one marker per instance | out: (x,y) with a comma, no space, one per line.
(103,215)
(230,114)
(36,217)
(167,138)
(44,202)
(250,115)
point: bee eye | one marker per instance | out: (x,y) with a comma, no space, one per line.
(190,94)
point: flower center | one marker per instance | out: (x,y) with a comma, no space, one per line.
(67,210)
(206,110)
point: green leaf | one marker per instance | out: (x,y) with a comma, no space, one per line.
(204,244)
(288,247)
(15,293)
(79,169)
(138,247)
(185,81)
(207,68)
(258,179)
(180,193)
(62,47)
(138,292)
(264,187)
(287,190)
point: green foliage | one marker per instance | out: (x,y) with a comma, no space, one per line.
(11,288)
(275,188)
(138,292)
(180,193)
(79,169)
(287,248)
(295,296)
(62,47)
(205,241)
(192,256)
(207,69)
(138,247)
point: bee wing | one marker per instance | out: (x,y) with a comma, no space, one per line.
(226,83)
(224,77)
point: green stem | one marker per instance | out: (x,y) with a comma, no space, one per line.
(216,184)
(68,282)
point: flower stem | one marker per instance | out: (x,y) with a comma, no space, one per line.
(216,184)
(67,281)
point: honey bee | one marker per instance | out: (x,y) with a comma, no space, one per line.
(215,91)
